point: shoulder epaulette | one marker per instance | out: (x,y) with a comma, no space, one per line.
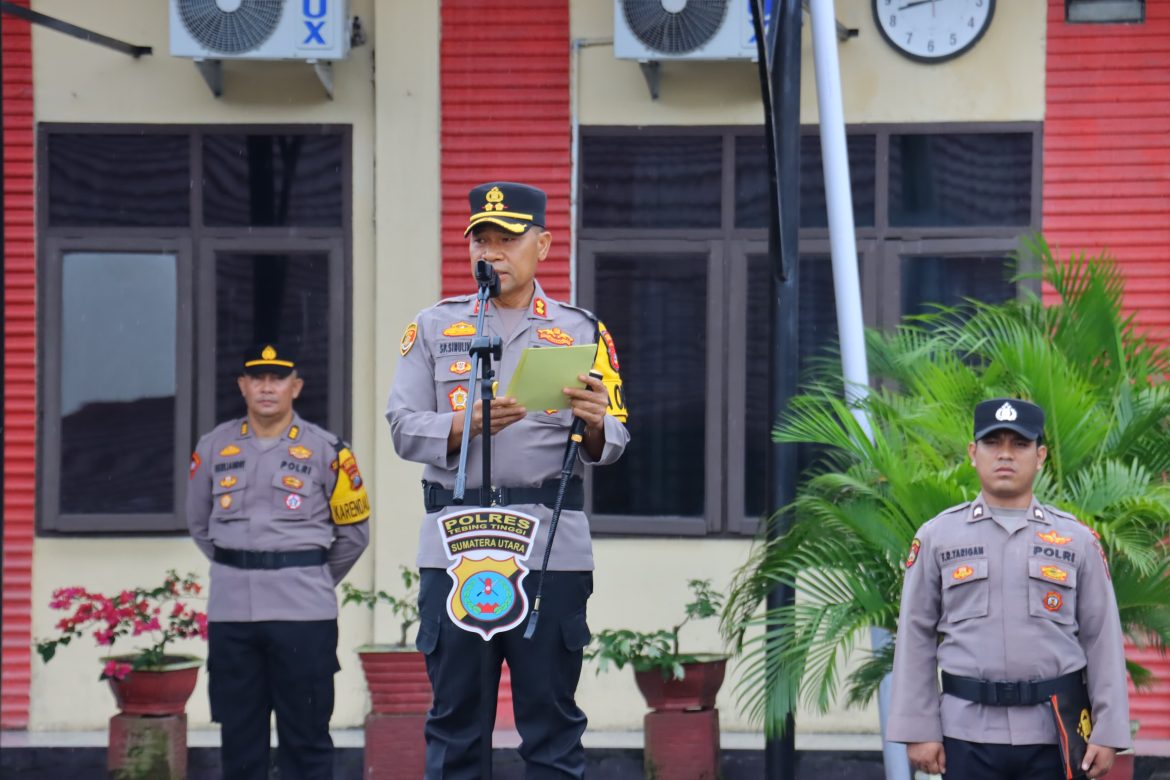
(955,508)
(588,314)
(1061,513)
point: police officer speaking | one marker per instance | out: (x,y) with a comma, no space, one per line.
(278,506)
(1012,600)
(426,412)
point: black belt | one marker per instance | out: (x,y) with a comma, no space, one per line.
(269,559)
(435,496)
(1002,693)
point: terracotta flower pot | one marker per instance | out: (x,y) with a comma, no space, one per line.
(696,691)
(159,690)
(397,680)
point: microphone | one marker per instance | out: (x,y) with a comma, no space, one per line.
(487,277)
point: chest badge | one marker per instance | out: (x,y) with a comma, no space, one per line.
(290,481)
(1052,537)
(231,449)
(459,329)
(1054,573)
(555,336)
(458,398)
(293,501)
(460,367)
(225,501)
(300,453)
(228,481)
(1052,601)
(962,573)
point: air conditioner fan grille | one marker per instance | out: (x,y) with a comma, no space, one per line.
(674,32)
(231,32)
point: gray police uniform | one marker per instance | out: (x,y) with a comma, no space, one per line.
(978,601)
(433,384)
(282,522)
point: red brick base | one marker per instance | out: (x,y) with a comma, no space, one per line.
(147,746)
(682,745)
(395,746)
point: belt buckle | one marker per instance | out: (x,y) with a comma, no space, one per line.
(1007,693)
(267,559)
(495,496)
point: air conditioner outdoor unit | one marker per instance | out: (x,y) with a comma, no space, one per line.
(652,30)
(260,29)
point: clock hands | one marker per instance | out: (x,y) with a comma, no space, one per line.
(914,3)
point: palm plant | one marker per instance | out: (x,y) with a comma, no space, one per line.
(1103,387)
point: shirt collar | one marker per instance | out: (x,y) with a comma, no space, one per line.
(981,510)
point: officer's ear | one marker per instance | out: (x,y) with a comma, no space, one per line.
(971,453)
(240,380)
(297,385)
(543,244)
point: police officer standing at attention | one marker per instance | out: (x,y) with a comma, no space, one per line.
(278,506)
(426,413)
(1012,600)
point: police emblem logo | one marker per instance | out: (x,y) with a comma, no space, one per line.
(195,463)
(1052,537)
(460,367)
(408,337)
(292,482)
(228,481)
(611,349)
(1006,413)
(458,398)
(225,501)
(1085,724)
(555,336)
(915,546)
(300,453)
(1052,601)
(293,501)
(487,547)
(268,353)
(231,449)
(495,200)
(459,329)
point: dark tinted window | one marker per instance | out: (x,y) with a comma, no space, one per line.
(272,180)
(119,180)
(663,375)
(948,280)
(960,179)
(118,344)
(751,177)
(651,181)
(272,297)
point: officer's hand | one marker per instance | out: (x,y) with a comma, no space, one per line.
(927,757)
(1098,760)
(589,403)
(505,411)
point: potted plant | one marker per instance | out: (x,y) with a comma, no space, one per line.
(1102,384)
(682,730)
(151,685)
(400,691)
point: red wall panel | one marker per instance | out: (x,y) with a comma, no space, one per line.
(504,79)
(20,390)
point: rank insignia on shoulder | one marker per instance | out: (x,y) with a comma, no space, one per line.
(555,336)
(460,367)
(977,511)
(459,329)
(1054,573)
(1038,513)
(962,573)
(539,307)
(195,463)
(231,449)
(292,482)
(294,432)
(1052,537)
(915,546)
(1052,601)
(300,453)
(408,337)
(458,398)
(225,501)
(228,481)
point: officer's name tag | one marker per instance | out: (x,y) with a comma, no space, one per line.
(487,547)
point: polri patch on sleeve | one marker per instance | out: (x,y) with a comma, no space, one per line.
(408,337)
(349,503)
(915,546)
(195,463)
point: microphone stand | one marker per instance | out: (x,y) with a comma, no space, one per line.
(483,349)
(576,436)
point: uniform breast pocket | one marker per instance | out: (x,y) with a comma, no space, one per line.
(291,495)
(561,418)
(452,383)
(966,590)
(1052,591)
(227,495)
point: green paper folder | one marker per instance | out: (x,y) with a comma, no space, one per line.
(544,372)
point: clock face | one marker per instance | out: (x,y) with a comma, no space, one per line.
(932,30)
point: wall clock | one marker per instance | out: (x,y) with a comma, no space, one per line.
(933,30)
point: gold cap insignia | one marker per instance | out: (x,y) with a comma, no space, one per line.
(495,200)
(268,353)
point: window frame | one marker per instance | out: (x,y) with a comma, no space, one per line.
(194,244)
(879,248)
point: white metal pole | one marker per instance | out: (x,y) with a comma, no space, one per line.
(846,280)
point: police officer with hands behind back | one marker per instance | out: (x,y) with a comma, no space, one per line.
(1012,600)
(278,506)
(426,414)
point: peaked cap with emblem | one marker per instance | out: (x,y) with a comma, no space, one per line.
(268,358)
(514,207)
(1023,417)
